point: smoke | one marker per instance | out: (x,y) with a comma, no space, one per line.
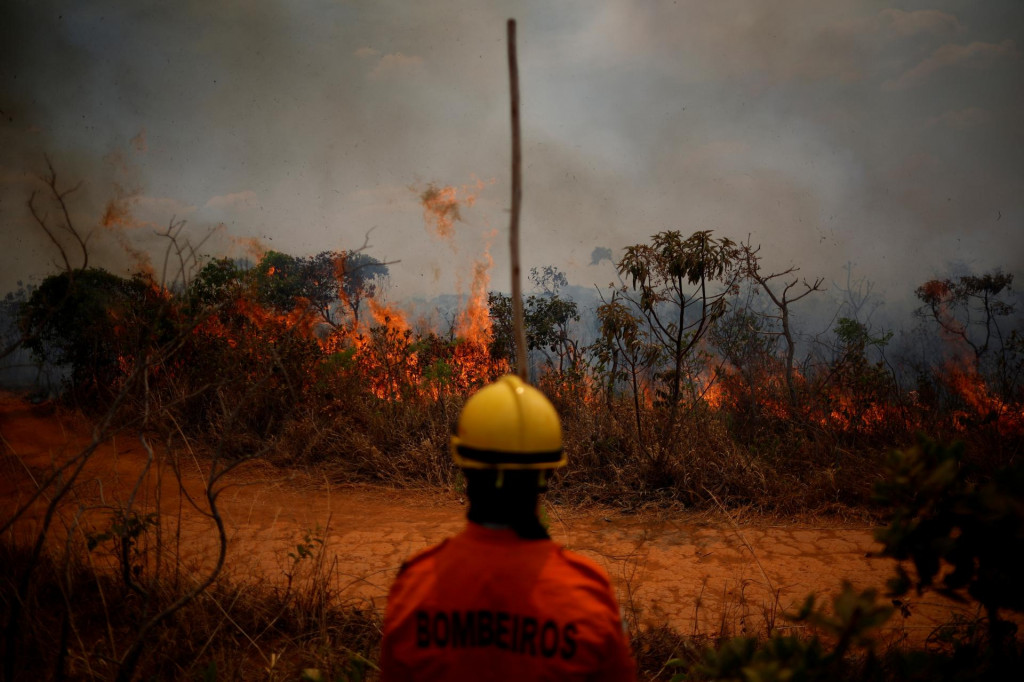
(302,126)
(600,254)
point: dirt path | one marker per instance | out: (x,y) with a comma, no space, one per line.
(693,573)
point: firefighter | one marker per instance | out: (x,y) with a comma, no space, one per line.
(501,600)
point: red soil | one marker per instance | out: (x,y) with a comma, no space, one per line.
(695,573)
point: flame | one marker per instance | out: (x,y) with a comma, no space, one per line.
(389,316)
(474,323)
(964,379)
(714,395)
(442,206)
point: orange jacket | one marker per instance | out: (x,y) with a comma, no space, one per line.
(487,605)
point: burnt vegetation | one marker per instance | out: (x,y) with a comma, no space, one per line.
(691,383)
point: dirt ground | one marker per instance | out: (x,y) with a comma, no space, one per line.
(696,573)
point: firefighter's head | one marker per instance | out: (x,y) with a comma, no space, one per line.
(507,442)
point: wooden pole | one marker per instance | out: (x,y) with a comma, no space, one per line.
(517,198)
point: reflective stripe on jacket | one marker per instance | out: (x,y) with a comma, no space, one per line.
(488,605)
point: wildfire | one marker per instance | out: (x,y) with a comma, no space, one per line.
(474,323)
(969,385)
(389,316)
(713,395)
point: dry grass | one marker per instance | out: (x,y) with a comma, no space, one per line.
(80,620)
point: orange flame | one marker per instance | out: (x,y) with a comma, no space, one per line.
(969,385)
(474,322)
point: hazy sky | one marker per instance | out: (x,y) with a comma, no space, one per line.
(889,135)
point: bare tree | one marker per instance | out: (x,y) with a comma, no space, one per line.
(783,294)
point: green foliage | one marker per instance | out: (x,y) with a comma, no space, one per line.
(126,526)
(854,383)
(943,517)
(90,319)
(855,337)
(220,280)
(660,270)
(312,541)
(672,275)
(362,276)
(503,333)
(623,351)
(332,283)
(546,317)
(748,342)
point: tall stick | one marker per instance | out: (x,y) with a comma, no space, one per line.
(517,198)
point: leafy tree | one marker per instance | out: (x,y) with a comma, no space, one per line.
(279,280)
(548,279)
(547,326)
(854,383)
(672,279)
(324,283)
(547,317)
(10,313)
(219,280)
(623,353)
(89,319)
(503,335)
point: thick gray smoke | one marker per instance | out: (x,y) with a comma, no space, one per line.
(829,133)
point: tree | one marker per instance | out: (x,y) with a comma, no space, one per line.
(857,382)
(546,317)
(749,343)
(782,299)
(672,276)
(219,280)
(362,276)
(324,283)
(278,279)
(503,334)
(970,308)
(623,353)
(86,319)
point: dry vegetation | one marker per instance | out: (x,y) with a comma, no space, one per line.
(687,396)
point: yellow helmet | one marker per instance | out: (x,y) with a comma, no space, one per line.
(508,425)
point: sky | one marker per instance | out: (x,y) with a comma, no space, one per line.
(881,135)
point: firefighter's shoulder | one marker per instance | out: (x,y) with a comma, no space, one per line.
(421,556)
(584,566)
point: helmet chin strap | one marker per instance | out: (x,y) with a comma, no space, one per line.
(542,479)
